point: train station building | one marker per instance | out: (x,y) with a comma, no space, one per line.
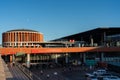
(89,47)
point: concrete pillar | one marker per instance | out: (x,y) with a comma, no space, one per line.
(13,58)
(66,58)
(92,42)
(28,60)
(80,57)
(103,39)
(104,36)
(6,59)
(102,57)
(56,58)
(84,58)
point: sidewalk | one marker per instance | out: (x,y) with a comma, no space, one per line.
(5,72)
(8,74)
(2,72)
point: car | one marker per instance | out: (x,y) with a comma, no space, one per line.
(106,75)
(88,75)
(92,78)
(99,72)
(111,78)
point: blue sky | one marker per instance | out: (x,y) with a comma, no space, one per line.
(58,18)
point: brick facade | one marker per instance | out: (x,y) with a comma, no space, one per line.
(21,38)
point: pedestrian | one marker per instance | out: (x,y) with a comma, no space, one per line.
(55,73)
(48,75)
(41,72)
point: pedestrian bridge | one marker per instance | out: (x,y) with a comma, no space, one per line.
(9,51)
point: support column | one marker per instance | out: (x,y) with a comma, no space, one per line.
(102,57)
(66,58)
(28,60)
(13,58)
(80,57)
(92,42)
(84,58)
(103,37)
(56,58)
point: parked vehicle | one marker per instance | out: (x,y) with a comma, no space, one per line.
(88,75)
(92,78)
(106,75)
(111,78)
(99,72)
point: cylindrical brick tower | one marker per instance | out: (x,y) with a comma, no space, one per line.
(22,38)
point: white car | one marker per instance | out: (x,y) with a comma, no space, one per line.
(88,75)
(92,78)
(99,72)
(111,78)
(106,75)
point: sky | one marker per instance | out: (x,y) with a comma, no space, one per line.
(58,18)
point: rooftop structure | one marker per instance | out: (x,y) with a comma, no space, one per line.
(28,30)
(21,38)
(97,36)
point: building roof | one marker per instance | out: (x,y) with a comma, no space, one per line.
(97,34)
(29,30)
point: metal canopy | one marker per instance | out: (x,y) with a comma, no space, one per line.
(97,34)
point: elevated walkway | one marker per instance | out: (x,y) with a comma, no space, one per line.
(9,51)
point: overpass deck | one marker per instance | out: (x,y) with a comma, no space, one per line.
(8,51)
